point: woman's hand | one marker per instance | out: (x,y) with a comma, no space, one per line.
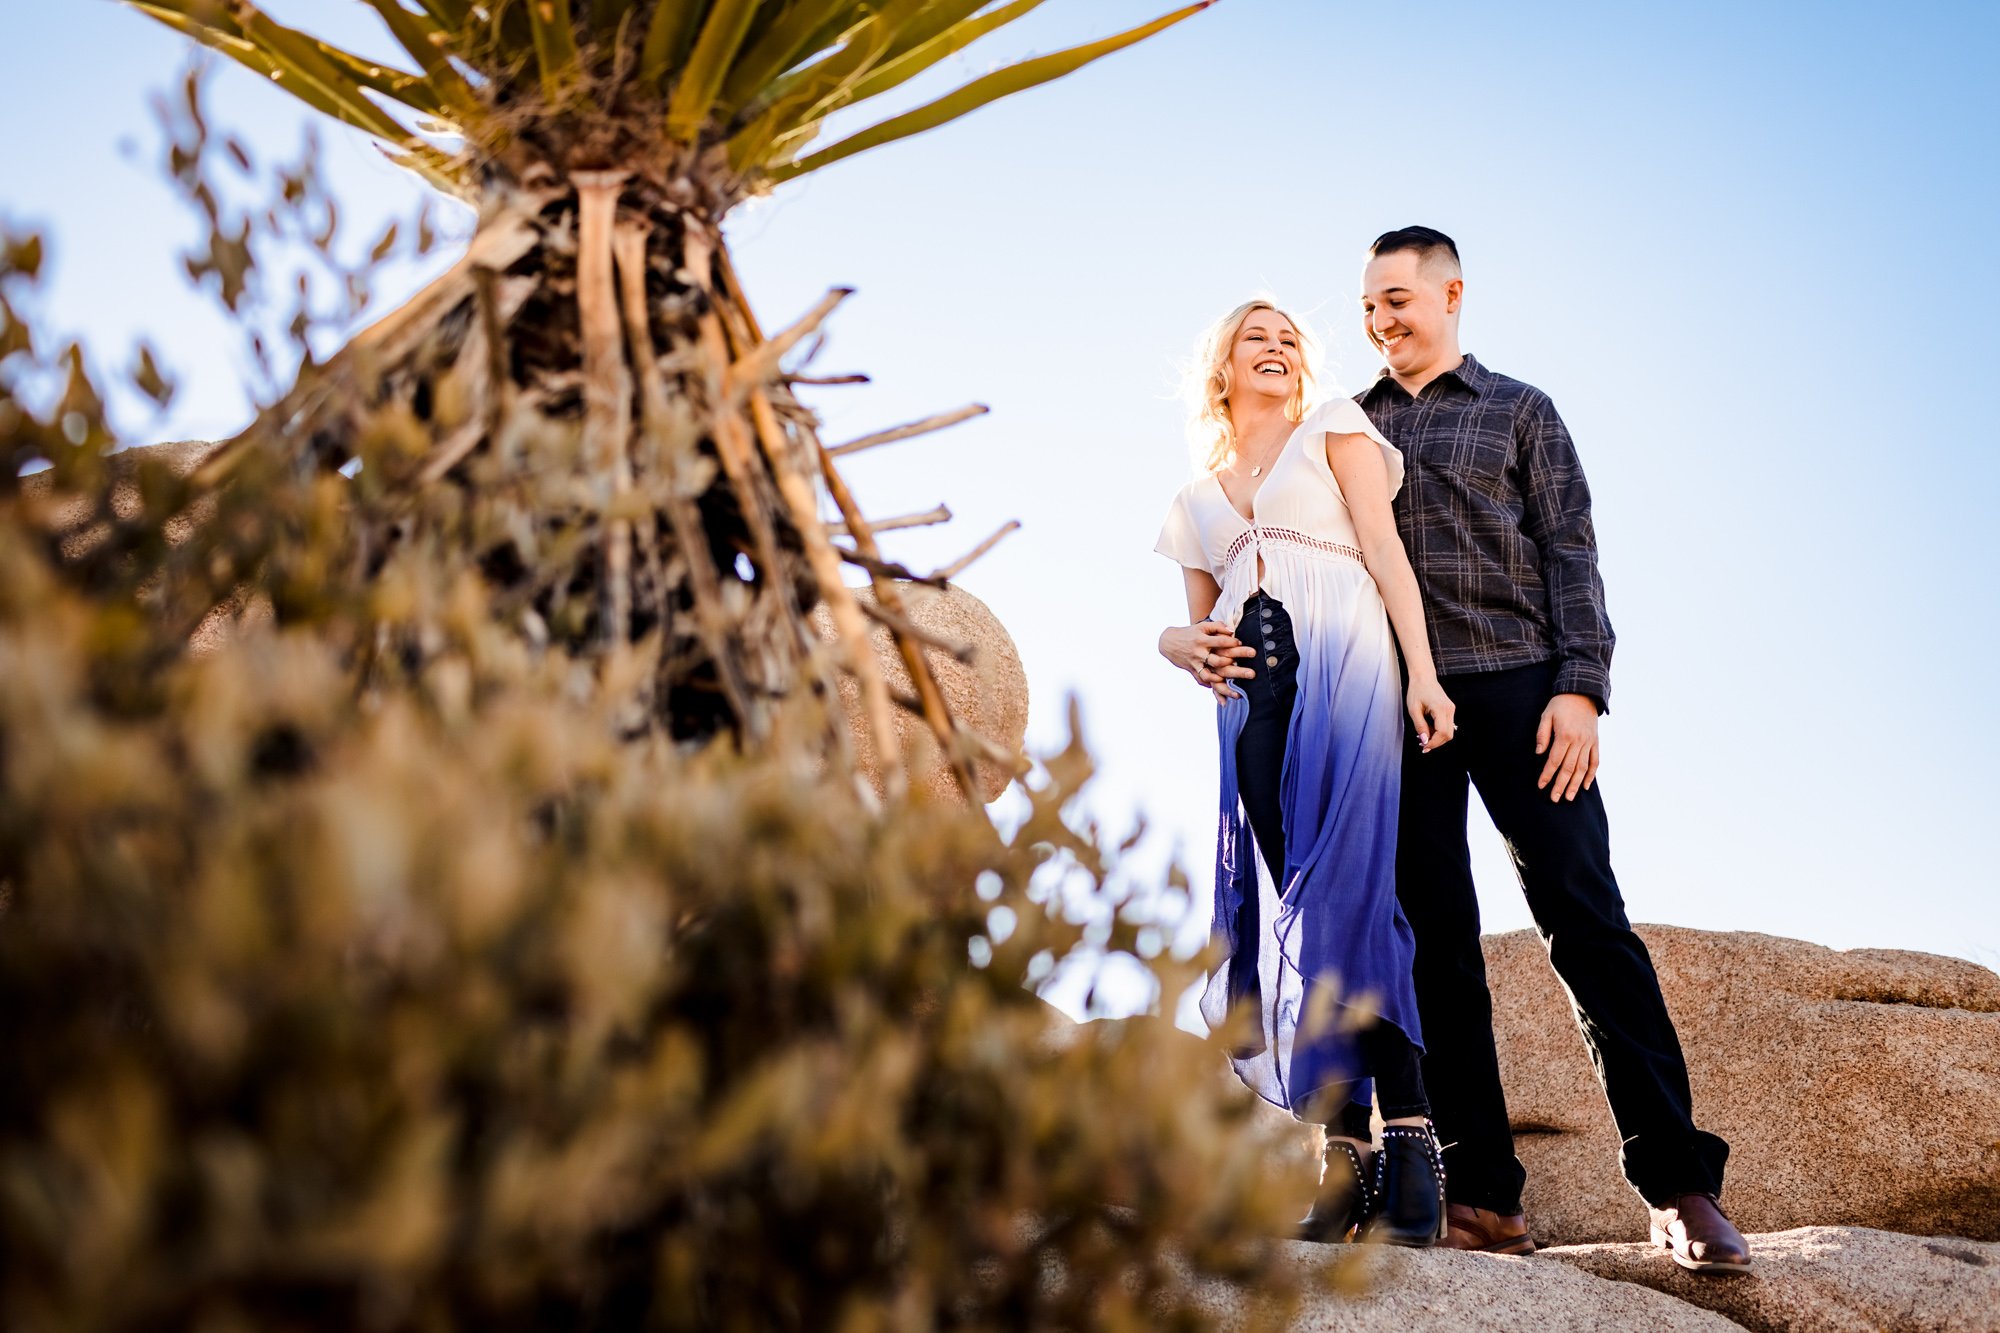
(1432,711)
(1208,652)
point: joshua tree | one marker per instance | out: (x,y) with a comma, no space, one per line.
(585,405)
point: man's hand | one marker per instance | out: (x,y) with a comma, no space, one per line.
(1211,654)
(1568,736)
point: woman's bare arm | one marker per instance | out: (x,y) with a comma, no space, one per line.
(1356,461)
(1202,591)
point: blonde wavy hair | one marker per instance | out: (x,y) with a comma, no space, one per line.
(1210,431)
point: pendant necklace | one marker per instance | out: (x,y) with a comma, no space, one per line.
(1258,470)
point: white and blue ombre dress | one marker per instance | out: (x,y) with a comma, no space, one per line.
(1327,919)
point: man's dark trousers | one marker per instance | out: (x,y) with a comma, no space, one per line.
(1562,852)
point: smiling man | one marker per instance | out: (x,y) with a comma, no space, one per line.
(1495,515)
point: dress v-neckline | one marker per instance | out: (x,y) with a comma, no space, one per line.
(1250,521)
(1271,471)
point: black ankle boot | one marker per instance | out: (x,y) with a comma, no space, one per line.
(1344,1196)
(1409,1189)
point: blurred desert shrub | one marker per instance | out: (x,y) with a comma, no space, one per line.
(344,998)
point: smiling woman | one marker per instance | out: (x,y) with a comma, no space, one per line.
(1288,533)
(1253,338)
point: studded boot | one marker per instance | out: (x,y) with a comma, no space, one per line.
(1345,1196)
(1409,1189)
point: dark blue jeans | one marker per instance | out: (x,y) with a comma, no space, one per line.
(1384,1052)
(1562,853)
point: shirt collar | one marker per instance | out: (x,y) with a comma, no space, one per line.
(1468,372)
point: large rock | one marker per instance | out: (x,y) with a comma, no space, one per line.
(989,694)
(1855,1088)
(1370,1289)
(1827,1280)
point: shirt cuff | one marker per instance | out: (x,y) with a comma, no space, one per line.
(1586,678)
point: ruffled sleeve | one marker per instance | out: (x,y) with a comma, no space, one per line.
(1343,416)
(1180,537)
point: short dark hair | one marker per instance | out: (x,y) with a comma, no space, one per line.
(1428,242)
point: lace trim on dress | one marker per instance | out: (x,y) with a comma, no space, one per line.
(1251,537)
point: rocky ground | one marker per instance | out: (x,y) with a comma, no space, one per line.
(1828,1279)
(1860,1092)
(1807,1280)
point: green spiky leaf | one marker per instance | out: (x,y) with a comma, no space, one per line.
(555,49)
(700,83)
(797,103)
(428,42)
(945,43)
(794,34)
(980,92)
(201,21)
(668,37)
(306,60)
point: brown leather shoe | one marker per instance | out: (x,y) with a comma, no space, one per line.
(1701,1238)
(1482,1229)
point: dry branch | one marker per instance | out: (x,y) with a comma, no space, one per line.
(822,381)
(888,569)
(910,431)
(760,363)
(929,518)
(959,566)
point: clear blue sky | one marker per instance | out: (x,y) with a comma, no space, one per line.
(1748,250)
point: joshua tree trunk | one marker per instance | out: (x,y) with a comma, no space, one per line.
(587,395)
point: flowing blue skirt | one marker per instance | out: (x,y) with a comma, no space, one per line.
(1334,951)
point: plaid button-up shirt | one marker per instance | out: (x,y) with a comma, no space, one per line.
(1495,514)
